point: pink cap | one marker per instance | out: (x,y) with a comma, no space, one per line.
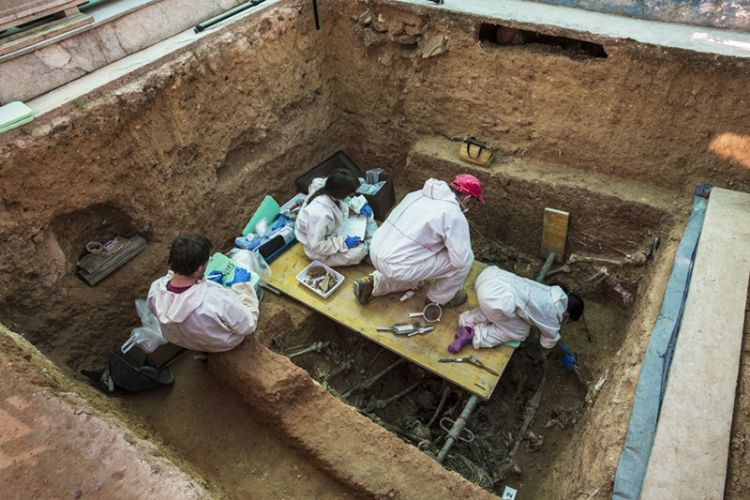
(468,184)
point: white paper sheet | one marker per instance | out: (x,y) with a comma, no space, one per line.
(354,226)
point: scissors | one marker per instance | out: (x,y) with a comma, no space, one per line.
(471,360)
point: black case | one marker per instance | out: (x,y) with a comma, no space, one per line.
(381,202)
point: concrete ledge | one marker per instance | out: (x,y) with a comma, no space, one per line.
(40,68)
(54,444)
(690,451)
(341,441)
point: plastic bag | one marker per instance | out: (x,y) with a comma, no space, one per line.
(147,336)
(250,260)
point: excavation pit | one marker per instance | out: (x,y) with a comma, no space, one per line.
(193,142)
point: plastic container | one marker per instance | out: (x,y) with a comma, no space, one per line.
(339,279)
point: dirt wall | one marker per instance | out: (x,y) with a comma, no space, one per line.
(661,116)
(191,144)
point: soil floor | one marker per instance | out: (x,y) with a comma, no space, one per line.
(206,425)
(497,422)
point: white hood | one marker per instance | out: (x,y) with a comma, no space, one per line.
(423,224)
(439,190)
(176,307)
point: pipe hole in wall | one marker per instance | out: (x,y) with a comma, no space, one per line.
(511,37)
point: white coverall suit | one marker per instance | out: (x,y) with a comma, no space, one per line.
(317,226)
(509,305)
(426,236)
(205,317)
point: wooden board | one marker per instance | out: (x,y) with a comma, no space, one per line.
(424,350)
(690,452)
(43,32)
(554,233)
(27,11)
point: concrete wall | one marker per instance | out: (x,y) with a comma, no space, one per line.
(730,14)
(30,73)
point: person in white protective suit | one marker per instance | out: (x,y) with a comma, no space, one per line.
(509,305)
(425,237)
(319,222)
(197,313)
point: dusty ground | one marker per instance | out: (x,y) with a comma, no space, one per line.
(204,422)
(415,416)
(61,440)
(194,144)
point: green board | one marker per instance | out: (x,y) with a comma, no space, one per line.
(221,262)
(267,210)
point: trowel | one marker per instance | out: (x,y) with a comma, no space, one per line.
(406,329)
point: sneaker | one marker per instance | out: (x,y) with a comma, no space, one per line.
(459,299)
(101,379)
(363,289)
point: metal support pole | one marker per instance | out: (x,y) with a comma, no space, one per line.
(315,13)
(545,268)
(458,427)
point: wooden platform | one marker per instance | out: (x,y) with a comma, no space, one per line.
(424,350)
(690,452)
(43,32)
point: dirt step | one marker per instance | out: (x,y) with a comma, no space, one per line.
(336,437)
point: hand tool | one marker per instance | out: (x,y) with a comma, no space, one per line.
(471,360)
(406,329)
(432,313)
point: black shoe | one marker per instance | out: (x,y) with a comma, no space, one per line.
(101,380)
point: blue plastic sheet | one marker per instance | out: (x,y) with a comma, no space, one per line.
(652,380)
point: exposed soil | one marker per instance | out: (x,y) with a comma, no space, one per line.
(206,425)
(194,142)
(496,424)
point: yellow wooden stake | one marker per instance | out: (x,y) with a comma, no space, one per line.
(554,233)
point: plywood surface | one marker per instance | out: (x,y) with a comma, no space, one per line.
(690,452)
(424,350)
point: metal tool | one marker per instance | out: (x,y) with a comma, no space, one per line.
(471,360)
(406,329)
(432,313)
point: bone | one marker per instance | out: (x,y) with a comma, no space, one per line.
(314,347)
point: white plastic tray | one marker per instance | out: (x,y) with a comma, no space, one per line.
(339,279)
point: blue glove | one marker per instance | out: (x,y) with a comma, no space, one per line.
(366,210)
(215,276)
(352,241)
(568,360)
(240,276)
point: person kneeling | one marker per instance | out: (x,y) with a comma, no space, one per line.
(319,223)
(509,305)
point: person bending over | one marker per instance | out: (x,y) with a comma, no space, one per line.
(509,305)
(425,237)
(319,222)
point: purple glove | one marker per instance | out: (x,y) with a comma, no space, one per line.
(240,276)
(464,336)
